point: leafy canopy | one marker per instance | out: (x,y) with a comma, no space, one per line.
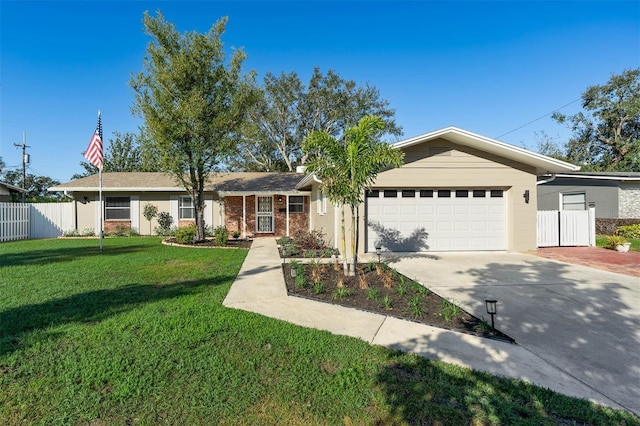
(193,102)
(606,135)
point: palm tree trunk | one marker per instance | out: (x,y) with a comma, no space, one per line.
(345,267)
(352,272)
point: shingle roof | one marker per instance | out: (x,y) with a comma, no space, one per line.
(162,182)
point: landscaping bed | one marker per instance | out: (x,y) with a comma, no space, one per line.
(380,289)
(211,243)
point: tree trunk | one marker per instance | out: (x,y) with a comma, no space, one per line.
(345,266)
(352,272)
(198,204)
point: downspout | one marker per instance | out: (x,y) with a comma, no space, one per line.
(551,179)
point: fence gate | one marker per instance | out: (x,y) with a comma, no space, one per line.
(562,228)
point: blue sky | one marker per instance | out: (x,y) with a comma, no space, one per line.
(487,67)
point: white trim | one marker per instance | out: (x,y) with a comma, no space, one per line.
(596,177)
(134,207)
(208,211)
(173,209)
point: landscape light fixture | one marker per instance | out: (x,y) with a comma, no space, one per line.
(294,272)
(378,252)
(491,310)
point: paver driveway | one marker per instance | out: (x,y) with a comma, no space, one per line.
(582,320)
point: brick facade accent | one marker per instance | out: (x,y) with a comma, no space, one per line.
(186,222)
(114,225)
(233,216)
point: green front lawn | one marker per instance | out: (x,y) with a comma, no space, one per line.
(138,335)
(601,241)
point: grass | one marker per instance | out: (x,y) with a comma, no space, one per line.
(601,241)
(139,335)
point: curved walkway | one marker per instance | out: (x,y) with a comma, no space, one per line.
(259,287)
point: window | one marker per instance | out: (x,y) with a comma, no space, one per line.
(496,193)
(390,193)
(117,208)
(373,193)
(186,209)
(576,201)
(462,193)
(479,193)
(444,193)
(426,193)
(322,202)
(408,193)
(296,204)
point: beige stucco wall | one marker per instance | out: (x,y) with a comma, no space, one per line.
(443,164)
(87,212)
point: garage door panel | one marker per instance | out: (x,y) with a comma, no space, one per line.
(465,223)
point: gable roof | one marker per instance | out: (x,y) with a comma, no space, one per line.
(542,163)
(236,183)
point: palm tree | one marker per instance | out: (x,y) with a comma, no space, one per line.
(348,167)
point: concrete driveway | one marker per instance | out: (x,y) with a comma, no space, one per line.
(582,320)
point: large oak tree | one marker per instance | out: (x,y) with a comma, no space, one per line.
(606,134)
(193,102)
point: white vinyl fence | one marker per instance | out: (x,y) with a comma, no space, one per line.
(20,221)
(563,228)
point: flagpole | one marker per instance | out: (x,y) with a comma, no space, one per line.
(101,210)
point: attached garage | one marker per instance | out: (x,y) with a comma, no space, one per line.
(456,191)
(443,219)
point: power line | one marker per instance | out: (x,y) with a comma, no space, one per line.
(539,118)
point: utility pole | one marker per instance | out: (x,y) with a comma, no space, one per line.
(25,161)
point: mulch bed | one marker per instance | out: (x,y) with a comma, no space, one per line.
(209,243)
(406,299)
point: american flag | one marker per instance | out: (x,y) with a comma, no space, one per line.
(94,151)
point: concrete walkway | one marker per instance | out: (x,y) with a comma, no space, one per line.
(260,288)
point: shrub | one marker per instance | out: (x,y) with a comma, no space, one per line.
(629,231)
(283,241)
(88,232)
(220,235)
(164,220)
(186,234)
(71,233)
(310,240)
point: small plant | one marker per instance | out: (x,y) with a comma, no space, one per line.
(388,279)
(371,266)
(290,250)
(300,281)
(316,271)
(615,240)
(71,233)
(362,281)
(373,294)
(236,234)
(387,302)
(149,212)
(318,288)
(402,289)
(483,327)
(309,254)
(220,235)
(310,240)
(422,290)
(165,221)
(186,234)
(416,307)
(88,232)
(282,241)
(341,293)
(449,310)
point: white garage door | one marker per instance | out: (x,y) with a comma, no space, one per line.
(436,220)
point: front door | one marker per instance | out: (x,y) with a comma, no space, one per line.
(265,215)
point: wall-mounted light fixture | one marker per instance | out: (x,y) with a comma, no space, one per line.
(526,196)
(86,200)
(279,199)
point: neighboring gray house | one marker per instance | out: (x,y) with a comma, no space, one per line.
(615,195)
(6,190)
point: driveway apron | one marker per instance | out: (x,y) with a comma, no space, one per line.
(584,321)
